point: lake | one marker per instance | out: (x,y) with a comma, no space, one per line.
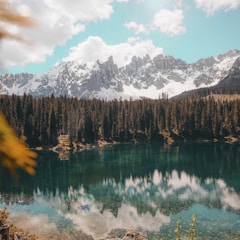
(149,187)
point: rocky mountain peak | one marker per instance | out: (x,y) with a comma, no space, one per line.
(108,69)
(142,77)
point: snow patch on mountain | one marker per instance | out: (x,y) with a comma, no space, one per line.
(147,76)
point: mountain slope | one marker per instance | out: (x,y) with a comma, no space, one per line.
(229,85)
(143,77)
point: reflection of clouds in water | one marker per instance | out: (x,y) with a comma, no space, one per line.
(88,213)
(99,224)
(90,210)
(37,224)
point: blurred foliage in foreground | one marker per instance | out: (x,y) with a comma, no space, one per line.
(9,16)
(13,152)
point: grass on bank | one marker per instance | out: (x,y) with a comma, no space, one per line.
(189,234)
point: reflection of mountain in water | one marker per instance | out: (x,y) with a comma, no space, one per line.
(141,203)
(132,186)
(205,172)
(145,203)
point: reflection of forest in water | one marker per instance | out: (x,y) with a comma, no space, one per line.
(149,177)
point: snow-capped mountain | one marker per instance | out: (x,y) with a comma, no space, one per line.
(142,77)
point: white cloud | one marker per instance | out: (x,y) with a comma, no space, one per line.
(95,48)
(138,28)
(57,21)
(210,7)
(84,10)
(166,21)
(169,22)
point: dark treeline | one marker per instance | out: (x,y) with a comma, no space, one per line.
(42,120)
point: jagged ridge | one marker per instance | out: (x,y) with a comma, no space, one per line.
(143,77)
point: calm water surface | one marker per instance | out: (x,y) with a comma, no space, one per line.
(145,187)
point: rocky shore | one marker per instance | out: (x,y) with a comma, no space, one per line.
(64,146)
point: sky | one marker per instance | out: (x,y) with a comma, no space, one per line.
(87,30)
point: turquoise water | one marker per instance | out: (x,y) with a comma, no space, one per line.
(145,187)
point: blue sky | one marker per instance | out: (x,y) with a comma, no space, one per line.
(86,30)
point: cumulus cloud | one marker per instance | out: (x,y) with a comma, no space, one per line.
(169,22)
(57,21)
(138,28)
(84,10)
(166,21)
(95,48)
(210,7)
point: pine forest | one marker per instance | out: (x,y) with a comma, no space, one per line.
(40,121)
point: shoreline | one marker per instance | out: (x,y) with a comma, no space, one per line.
(75,147)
